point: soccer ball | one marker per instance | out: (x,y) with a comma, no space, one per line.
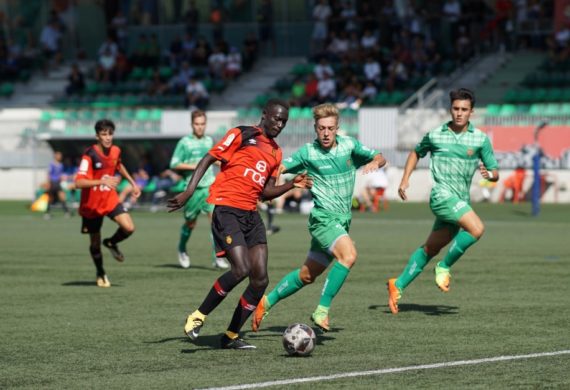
(299,340)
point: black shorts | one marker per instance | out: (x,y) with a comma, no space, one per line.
(54,187)
(234,227)
(93,225)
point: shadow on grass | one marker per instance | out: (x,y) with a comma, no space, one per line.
(203,342)
(522,213)
(210,268)
(428,310)
(84,283)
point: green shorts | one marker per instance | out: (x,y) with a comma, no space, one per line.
(325,229)
(197,204)
(448,212)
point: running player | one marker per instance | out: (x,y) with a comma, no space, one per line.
(331,161)
(188,153)
(456,148)
(250,160)
(97,181)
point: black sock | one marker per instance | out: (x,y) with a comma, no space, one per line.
(223,285)
(119,236)
(64,205)
(246,305)
(97,257)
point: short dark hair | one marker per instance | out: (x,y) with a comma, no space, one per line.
(104,124)
(462,94)
(197,114)
(276,102)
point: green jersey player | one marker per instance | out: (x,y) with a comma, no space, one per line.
(331,161)
(187,154)
(456,150)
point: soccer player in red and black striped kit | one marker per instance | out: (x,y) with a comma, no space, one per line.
(97,181)
(250,166)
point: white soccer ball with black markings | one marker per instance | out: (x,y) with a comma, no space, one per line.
(299,340)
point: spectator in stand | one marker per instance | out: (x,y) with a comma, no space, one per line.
(463,46)
(50,40)
(109,46)
(217,19)
(452,14)
(119,26)
(351,94)
(323,68)
(339,45)
(156,85)
(179,81)
(311,91)
(106,67)
(369,92)
(433,58)
(122,66)
(349,16)
(372,70)
(188,46)
(368,41)
(419,56)
(397,74)
(321,15)
(354,48)
(76,81)
(176,52)
(266,28)
(326,89)
(250,50)
(139,56)
(233,64)
(192,18)
(201,52)
(196,94)
(217,63)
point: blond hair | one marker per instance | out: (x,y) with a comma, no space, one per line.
(324,111)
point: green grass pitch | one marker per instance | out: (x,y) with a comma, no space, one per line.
(510,295)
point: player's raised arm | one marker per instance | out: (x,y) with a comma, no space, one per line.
(411,163)
(377,162)
(180,200)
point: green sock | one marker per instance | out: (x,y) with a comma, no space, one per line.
(334,282)
(185,233)
(289,285)
(415,266)
(459,245)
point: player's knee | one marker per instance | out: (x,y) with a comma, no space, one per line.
(191,224)
(95,249)
(129,229)
(240,271)
(260,283)
(478,231)
(349,258)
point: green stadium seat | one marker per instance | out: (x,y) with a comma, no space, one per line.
(6,90)
(508,110)
(493,110)
(45,116)
(295,113)
(155,115)
(537,109)
(306,113)
(142,115)
(552,109)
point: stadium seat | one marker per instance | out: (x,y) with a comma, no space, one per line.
(508,110)
(493,110)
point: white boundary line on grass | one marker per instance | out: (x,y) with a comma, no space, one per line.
(391,370)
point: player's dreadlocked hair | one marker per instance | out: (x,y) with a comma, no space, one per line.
(462,94)
(324,111)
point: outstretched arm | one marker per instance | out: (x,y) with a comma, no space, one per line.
(411,163)
(180,200)
(271,191)
(377,162)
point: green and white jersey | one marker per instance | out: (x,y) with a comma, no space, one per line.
(190,150)
(333,171)
(455,158)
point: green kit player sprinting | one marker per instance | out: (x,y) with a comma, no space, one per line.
(456,150)
(187,154)
(331,161)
